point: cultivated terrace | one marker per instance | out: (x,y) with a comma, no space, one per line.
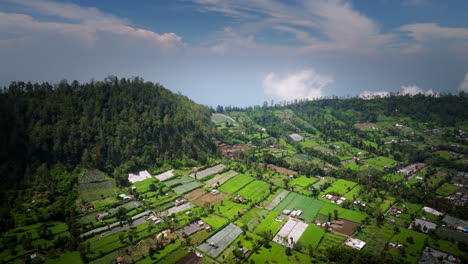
(125,171)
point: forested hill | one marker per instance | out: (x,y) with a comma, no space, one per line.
(116,125)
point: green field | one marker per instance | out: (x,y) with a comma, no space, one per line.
(235,183)
(379,163)
(303,181)
(394,177)
(319,184)
(255,191)
(269,224)
(309,143)
(340,186)
(295,201)
(447,189)
(72,257)
(229,209)
(312,236)
(331,239)
(275,254)
(179,181)
(413,251)
(57,229)
(215,221)
(187,187)
(351,215)
(354,193)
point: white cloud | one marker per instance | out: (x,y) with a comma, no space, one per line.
(464,84)
(89,24)
(430,31)
(305,84)
(412,90)
(373,94)
(320,25)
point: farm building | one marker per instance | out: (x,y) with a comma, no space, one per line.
(455,222)
(102,215)
(124,197)
(140,176)
(87,207)
(179,201)
(411,169)
(422,224)
(431,211)
(296,137)
(355,243)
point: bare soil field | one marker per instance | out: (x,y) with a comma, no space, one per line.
(211,199)
(345,227)
(191,258)
(282,170)
(364,126)
(195,194)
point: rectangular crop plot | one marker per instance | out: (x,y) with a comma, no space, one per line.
(206,172)
(187,187)
(179,180)
(210,198)
(235,183)
(319,184)
(176,209)
(165,175)
(341,187)
(90,186)
(332,239)
(302,181)
(290,233)
(220,179)
(93,175)
(312,236)
(217,243)
(379,163)
(294,201)
(355,216)
(255,191)
(277,200)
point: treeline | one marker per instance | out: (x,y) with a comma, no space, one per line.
(114,125)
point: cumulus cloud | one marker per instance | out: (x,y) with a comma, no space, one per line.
(412,90)
(305,84)
(464,84)
(373,94)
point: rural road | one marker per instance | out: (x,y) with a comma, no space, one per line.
(99,229)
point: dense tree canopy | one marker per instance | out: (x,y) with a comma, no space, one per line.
(114,125)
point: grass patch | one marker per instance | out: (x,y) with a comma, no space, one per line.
(215,221)
(303,181)
(235,183)
(447,189)
(276,254)
(340,186)
(255,191)
(312,236)
(72,257)
(351,215)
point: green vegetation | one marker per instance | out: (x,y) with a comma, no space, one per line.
(294,201)
(447,189)
(312,236)
(235,183)
(69,148)
(351,215)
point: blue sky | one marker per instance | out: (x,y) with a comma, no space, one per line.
(242,52)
